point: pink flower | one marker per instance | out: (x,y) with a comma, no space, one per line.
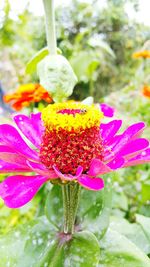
(69,143)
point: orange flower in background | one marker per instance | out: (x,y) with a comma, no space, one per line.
(142,54)
(27,94)
(146,91)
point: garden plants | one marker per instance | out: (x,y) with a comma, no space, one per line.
(71,150)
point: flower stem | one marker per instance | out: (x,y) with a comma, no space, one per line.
(70,193)
(50,26)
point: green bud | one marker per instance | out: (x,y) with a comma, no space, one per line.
(56,76)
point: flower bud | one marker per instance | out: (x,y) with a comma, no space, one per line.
(57,76)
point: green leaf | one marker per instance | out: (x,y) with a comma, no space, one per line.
(144,222)
(54,206)
(31,65)
(146,191)
(93,42)
(84,64)
(26,245)
(95,209)
(83,251)
(11,247)
(132,231)
(118,251)
(120,201)
(38,245)
(40,238)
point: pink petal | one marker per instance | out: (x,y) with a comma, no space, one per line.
(91,183)
(6,167)
(4,148)
(143,157)
(118,142)
(18,190)
(107,110)
(97,167)
(41,169)
(7,154)
(37,122)
(134,146)
(68,177)
(12,138)
(108,130)
(116,163)
(29,128)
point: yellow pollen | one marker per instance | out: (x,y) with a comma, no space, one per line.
(81,116)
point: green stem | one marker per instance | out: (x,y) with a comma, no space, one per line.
(70,193)
(91,87)
(50,26)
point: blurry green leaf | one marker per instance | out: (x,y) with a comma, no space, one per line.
(38,245)
(145,224)
(118,251)
(146,191)
(92,67)
(40,236)
(31,65)
(84,63)
(54,206)
(83,251)
(120,201)
(11,247)
(132,231)
(102,45)
(95,209)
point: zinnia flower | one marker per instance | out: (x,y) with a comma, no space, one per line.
(142,54)
(146,91)
(70,145)
(27,94)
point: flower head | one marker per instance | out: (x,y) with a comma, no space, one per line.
(70,145)
(26,94)
(146,91)
(142,54)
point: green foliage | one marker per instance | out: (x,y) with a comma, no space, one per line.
(99,44)
(106,35)
(38,245)
(32,64)
(118,251)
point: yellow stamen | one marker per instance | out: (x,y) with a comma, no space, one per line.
(87,117)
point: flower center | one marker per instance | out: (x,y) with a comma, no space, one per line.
(71,136)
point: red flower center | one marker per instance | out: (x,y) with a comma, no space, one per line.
(67,148)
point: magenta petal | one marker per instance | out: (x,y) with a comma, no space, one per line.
(18,190)
(29,129)
(108,130)
(97,167)
(91,183)
(13,139)
(120,141)
(41,169)
(68,177)
(134,146)
(141,158)
(6,167)
(8,149)
(107,110)
(116,163)
(14,158)
(37,122)
(7,154)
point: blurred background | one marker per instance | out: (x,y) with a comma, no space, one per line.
(100,39)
